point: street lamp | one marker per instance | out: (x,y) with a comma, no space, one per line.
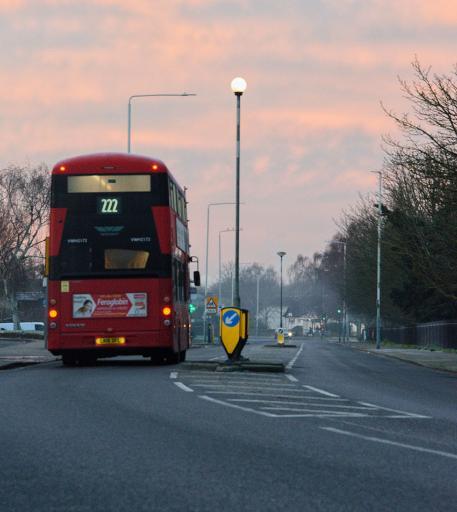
(238,86)
(220,258)
(206,269)
(281,254)
(378,264)
(129,116)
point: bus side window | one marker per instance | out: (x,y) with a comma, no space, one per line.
(172,196)
(178,197)
(175,280)
(184,202)
(181,207)
(182,282)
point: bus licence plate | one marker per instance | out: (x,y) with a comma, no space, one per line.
(110,341)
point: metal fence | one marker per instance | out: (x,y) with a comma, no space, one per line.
(442,334)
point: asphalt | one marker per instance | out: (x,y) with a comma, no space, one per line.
(16,352)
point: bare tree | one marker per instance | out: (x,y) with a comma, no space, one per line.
(24,213)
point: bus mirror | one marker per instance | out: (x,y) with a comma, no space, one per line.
(196,278)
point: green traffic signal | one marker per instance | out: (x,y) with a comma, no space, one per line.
(192,308)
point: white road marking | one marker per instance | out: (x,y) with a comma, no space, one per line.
(321,391)
(337,406)
(184,387)
(312,412)
(247,393)
(292,361)
(220,402)
(291,378)
(319,411)
(286,403)
(215,358)
(318,415)
(173,375)
(285,387)
(392,443)
(403,413)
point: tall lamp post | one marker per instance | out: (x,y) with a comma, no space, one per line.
(281,254)
(378,264)
(206,266)
(129,115)
(228,230)
(238,86)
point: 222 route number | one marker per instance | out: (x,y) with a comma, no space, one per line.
(109,205)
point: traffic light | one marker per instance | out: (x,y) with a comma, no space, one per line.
(192,308)
(338,311)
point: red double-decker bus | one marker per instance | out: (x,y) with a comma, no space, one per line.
(118,260)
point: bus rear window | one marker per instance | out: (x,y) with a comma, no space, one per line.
(121,259)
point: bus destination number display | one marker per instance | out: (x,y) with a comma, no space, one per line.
(108,205)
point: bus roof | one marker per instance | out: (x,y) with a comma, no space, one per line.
(107,163)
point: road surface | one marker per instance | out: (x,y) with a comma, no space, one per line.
(340,430)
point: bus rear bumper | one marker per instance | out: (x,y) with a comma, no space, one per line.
(103,345)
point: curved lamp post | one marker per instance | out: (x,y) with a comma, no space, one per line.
(129,116)
(238,86)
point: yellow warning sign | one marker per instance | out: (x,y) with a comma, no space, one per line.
(230,323)
(211,306)
(280,336)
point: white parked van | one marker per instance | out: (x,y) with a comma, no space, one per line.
(25,326)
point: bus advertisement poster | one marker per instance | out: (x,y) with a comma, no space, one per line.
(110,305)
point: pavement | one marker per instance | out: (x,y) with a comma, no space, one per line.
(16,352)
(429,357)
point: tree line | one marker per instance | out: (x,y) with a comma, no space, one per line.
(418,218)
(24,216)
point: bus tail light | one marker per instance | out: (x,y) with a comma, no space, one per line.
(53,313)
(52,325)
(166,311)
(167,323)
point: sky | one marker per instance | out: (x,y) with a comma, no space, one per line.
(311,117)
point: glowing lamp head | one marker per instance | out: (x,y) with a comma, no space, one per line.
(166,311)
(53,313)
(238,85)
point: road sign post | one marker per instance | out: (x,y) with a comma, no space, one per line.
(211,309)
